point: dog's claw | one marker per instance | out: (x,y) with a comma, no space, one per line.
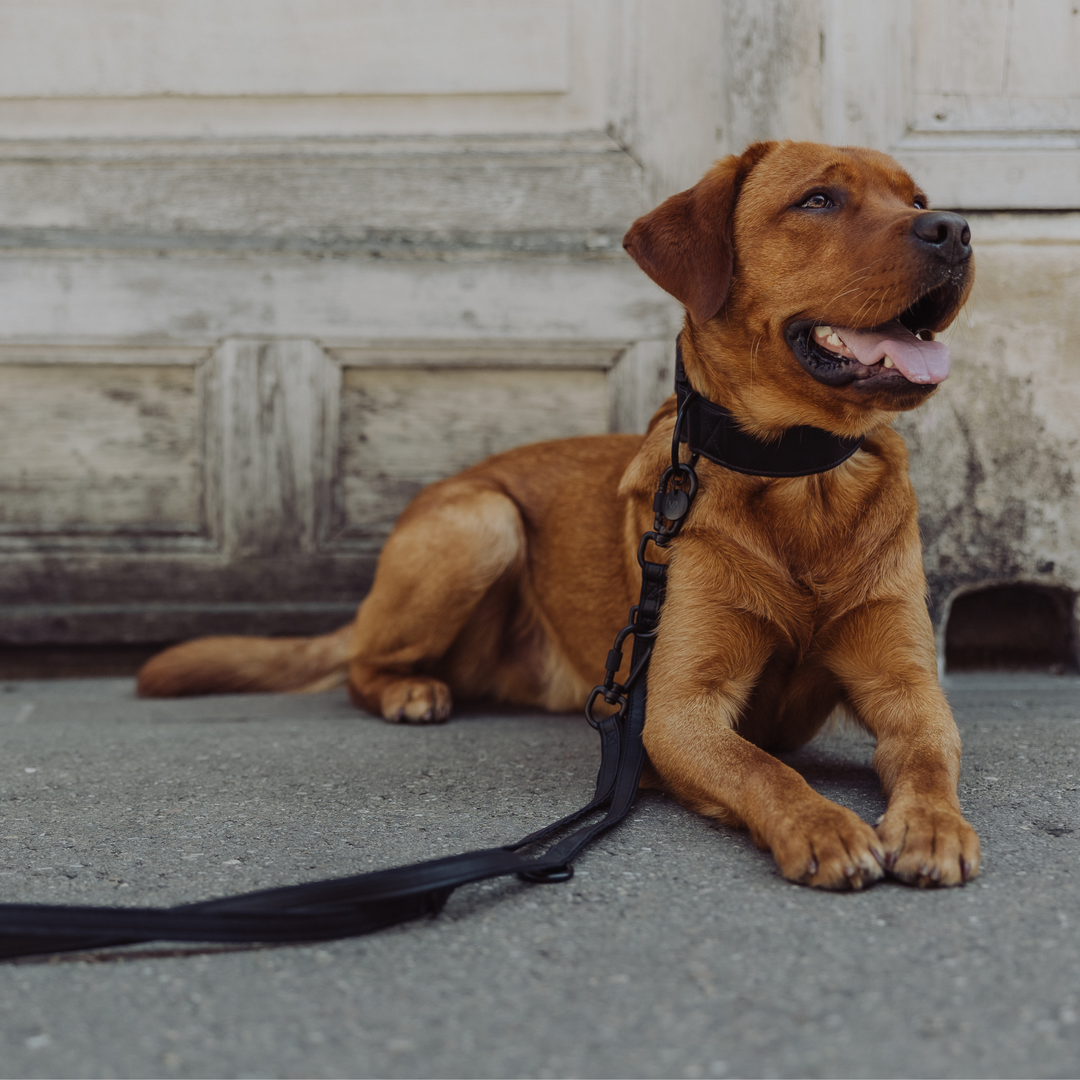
(831,849)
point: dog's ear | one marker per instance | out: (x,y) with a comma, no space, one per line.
(686,244)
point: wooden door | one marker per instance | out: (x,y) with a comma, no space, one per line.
(978,98)
(269,266)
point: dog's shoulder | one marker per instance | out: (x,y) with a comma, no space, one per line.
(653,455)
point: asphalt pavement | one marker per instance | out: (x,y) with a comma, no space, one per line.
(676,950)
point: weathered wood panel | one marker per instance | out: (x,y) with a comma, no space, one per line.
(643,377)
(402,429)
(101,448)
(1018,69)
(771,71)
(380,193)
(144,575)
(283,69)
(273,409)
(980,99)
(221,48)
(125,298)
(294,514)
(295,188)
(163,621)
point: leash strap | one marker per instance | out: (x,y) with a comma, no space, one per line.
(339,907)
(350,906)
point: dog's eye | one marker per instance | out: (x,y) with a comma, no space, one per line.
(919,204)
(817,202)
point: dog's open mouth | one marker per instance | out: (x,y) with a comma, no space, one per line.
(901,351)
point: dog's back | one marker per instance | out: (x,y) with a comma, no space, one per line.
(530,543)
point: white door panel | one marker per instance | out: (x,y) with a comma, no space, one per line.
(978,98)
(268,266)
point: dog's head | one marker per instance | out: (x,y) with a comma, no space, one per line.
(814,278)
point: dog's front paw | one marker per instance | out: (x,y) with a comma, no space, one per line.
(928,845)
(829,847)
(416,700)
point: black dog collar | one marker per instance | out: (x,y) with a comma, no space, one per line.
(711,431)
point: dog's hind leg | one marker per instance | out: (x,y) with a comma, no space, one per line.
(457,542)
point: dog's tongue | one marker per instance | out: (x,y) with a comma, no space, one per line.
(917,360)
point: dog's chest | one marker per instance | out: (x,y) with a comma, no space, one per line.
(803,551)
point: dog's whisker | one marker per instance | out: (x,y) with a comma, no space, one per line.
(849,284)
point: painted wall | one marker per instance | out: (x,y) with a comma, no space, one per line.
(266,266)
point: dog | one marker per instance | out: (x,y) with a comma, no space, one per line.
(814,279)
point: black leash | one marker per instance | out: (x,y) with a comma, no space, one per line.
(350,906)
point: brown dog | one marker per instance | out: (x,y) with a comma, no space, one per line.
(786,597)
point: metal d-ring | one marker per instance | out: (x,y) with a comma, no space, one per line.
(600,691)
(676,464)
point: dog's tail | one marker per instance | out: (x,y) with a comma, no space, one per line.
(246,665)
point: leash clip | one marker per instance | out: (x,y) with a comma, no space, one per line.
(674,494)
(596,721)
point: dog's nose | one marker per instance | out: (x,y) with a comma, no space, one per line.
(948,234)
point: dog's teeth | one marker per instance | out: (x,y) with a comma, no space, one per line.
(834,339)
(822,332)
(888,361)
